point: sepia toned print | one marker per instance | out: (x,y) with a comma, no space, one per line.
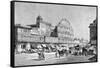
(54,34)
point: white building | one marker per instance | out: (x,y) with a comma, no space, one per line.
(41,27)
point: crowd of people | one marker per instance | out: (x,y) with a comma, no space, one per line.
(60,50)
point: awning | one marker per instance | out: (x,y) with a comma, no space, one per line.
(44,45)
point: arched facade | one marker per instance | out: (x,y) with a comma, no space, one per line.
(65,29)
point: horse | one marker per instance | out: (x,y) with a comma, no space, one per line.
(60,52)
(84,51)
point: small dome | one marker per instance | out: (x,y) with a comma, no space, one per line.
(39,18)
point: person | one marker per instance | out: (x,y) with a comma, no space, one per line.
(84,51)
(59,51)
(40,52)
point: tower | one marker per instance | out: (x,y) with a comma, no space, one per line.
(55,32)
(38,20)
(93,32)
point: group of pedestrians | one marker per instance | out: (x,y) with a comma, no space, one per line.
(59,51)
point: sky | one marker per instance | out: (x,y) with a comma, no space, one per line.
(79,17)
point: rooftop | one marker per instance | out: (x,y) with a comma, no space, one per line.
(22,26)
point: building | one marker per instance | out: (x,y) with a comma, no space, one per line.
(42,26)
(25,40)
(43,33)
(93,36)
(65,29)
(30,35)
(64,32)
(93,32)
(20,32)
(81,42)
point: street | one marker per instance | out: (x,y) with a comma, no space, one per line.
(32,59)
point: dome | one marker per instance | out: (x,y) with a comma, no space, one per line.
(39,18)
